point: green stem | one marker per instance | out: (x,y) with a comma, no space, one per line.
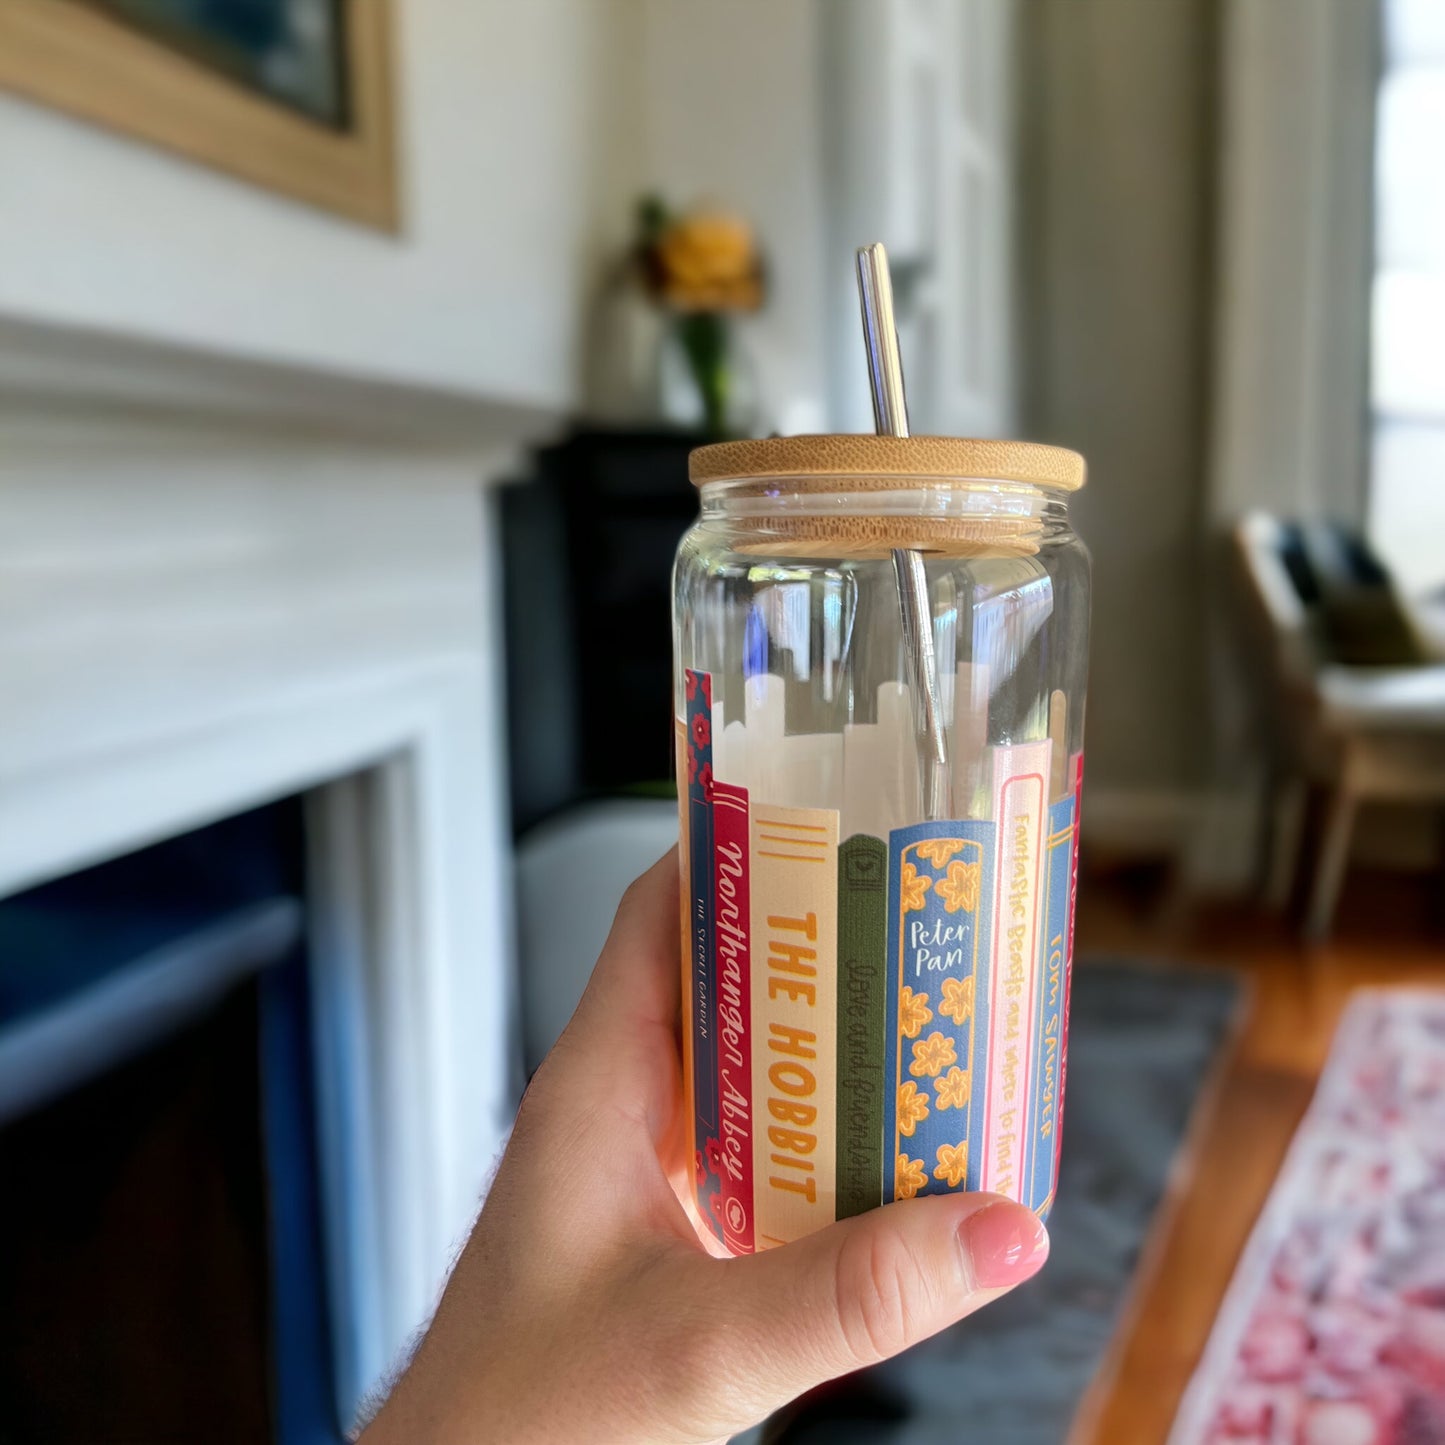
(704,338)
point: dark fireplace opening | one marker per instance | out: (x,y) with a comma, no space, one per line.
(161,1269)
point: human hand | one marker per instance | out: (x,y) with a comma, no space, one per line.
(587,1307)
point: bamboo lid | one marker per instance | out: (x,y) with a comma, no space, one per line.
(804,466)
(816,463)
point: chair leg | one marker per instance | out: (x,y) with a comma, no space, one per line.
(1330,868)
(1286,833)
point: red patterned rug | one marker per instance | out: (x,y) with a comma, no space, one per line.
(1333,1330)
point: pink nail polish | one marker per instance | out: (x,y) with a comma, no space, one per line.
(1006,1243)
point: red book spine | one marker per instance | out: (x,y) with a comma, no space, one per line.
(732,987)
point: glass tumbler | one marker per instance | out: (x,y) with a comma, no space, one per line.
(878,823)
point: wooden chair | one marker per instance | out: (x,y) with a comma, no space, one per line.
(1360,731)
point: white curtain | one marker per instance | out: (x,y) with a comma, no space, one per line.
(1291,413)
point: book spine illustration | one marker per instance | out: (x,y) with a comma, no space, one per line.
(793,880)
(1020,804)
(1076,785)
(862,1021)
(1050,1011)
(882,1016)
(940,891)
(733,929)
(702,946)
(686,952)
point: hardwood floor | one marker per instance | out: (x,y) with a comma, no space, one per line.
(1389,932)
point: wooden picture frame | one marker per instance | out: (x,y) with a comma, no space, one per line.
(65,54)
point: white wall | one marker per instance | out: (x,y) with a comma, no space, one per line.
(920,147)
(1116,208)
(727,108)
(528,131)
(212,611)
(777,111)
(502,162)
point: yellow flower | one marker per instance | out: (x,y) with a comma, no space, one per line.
(960,888)
(913,1012)
(932,1054)
(709,262)
(912,888)
(957,999)
(908,1177)
(953,1089)
(912,1108)
(952,1163)
(938,850)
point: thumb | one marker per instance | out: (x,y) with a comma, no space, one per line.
(861,1290)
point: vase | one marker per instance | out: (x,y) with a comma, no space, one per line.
(705,377)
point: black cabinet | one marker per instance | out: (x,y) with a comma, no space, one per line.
(588,546)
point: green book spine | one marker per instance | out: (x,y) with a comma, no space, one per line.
(862,1018)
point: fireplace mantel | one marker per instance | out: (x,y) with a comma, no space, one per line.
(56,365)
(224,581)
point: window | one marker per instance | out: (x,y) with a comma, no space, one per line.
(1407,485)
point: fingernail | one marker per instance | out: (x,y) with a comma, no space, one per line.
(1006,1243)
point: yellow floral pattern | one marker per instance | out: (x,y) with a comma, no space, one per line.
(938,850)
(952,1165)
(957,1000)
(912,1108)
(912,887)
(908,1177)
(913,1012)
(932,1055)
(953,1089)
(960,888)
(938,1081)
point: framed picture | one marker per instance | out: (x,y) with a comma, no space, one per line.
(293,95)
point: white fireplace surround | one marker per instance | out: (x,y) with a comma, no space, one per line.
(223,583)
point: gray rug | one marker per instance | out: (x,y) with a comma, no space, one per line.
(1141,1046)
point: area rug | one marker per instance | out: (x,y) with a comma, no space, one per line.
(1143,1044)
(1333,1330)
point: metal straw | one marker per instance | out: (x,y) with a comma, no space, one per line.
(890,418)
